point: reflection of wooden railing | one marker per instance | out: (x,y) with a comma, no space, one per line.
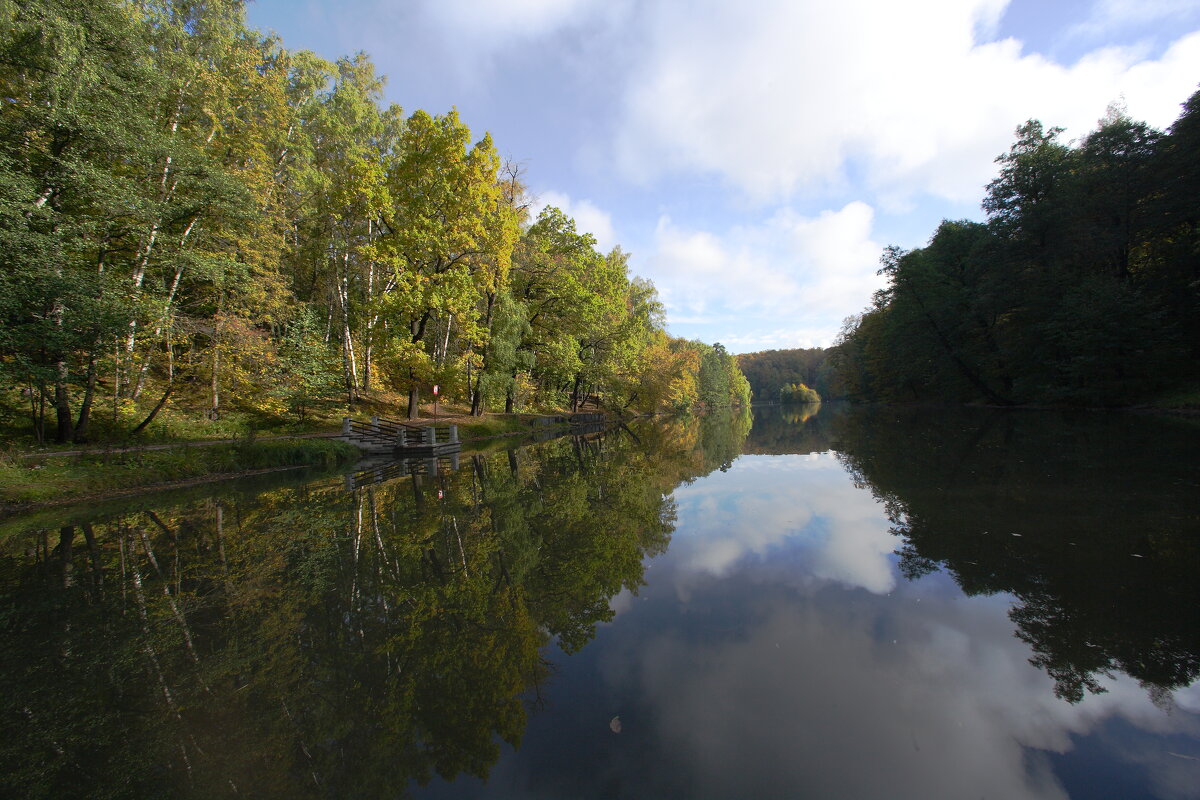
(382,472)
(386,434)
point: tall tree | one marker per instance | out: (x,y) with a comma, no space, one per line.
(450,238)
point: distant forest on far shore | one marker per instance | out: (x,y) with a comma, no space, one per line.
(771,370)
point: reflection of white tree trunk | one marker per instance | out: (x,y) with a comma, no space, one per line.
(357,550)
(219,530)
(179,618)
(148,648)
(461,551)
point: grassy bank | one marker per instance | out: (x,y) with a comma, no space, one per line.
(23,483)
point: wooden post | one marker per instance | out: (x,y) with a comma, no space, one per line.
(453,434)
(346,427)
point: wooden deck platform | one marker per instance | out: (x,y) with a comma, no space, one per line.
(393,437)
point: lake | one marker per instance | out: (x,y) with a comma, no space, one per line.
(780,603)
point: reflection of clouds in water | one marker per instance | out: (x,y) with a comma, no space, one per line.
(812,701)
(767,678)
(621,602)
(1189,698)
(807,502)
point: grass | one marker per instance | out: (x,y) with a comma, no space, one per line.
(492,425)
(183,419)
(23,482)
(27,480)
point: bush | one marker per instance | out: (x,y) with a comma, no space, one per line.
(798,393)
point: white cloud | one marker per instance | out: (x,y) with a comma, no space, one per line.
(588,217)
(512,19)
(807,272)
(777,339)
(795,93)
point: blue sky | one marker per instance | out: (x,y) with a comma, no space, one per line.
(755,157)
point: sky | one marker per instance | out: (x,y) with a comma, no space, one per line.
(755,157)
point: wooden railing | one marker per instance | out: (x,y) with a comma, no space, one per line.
(387,432)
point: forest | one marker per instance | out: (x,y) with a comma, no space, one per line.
(1082,287)
(194,217)
(770,372)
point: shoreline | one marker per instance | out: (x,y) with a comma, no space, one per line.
(16,509)
(75,477)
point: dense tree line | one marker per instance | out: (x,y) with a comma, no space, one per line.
(1083,286)
(770,371)
(191,213)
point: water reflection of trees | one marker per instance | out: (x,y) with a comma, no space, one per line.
(316,642)
(1091,521)
(790,429)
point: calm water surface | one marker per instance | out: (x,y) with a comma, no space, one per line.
(853,604)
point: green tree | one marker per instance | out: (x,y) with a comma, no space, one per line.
(308,366)
(450,237)
(77,125)
(798,393)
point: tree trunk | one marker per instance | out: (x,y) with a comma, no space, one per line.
(85,409)
(446,340)
(369,328)
(575,393)
(414,398)
(349,363)
(477,400)
(216,385)
(37,411)
(116,379)
(62,405)
(414,393)
(162,402)
(165,320)
(475,391)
